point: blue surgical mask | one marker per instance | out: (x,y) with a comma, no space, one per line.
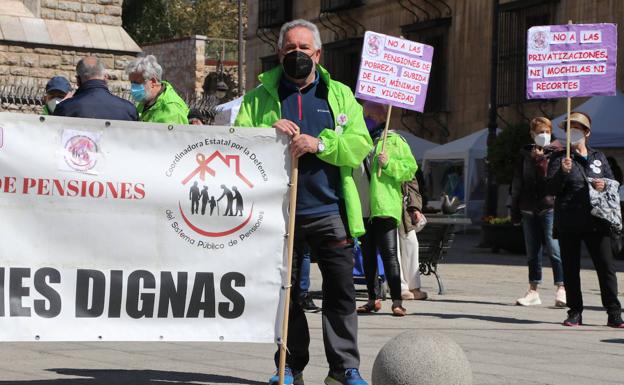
(138,92)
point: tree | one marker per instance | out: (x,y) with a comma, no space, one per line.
(506,151)
(156,20)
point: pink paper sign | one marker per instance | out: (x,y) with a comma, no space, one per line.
(571,60)
(394,71)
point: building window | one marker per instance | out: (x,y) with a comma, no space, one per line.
(514,21)
(436,34)
(339,5)
(274,13)
(342,60)
(269,62)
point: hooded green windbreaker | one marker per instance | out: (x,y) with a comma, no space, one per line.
(169,108)
(345,146)
(385,191)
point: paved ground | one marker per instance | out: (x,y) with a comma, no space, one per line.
(505,344)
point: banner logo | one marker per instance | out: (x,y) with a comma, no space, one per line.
(233,204)
(81,153)
(216,182)
(373,45)
(538,41)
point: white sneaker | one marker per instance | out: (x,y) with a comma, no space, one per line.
(531,298)
(560,297)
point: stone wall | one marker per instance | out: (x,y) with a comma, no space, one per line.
(31,68)
(183,62)
(106,12)
(43,63)
(186,67)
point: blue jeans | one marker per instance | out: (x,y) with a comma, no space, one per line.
(539,240)
(304,275)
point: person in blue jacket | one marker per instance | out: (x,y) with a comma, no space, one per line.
(92,98)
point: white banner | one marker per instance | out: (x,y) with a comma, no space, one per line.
(140,232)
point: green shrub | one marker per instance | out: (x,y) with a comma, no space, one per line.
(506,150)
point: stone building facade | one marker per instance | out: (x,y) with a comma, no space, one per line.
(183,62)
(44,38)
(460,32)
(106,12)
(187,65)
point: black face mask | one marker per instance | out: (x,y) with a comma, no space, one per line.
(297,65)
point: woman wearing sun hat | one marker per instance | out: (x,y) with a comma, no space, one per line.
(568,181)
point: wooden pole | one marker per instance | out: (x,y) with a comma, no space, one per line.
(568,119)
(294,176)
(383,138)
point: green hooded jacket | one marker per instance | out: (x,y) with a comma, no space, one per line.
(169,108)
(385,191)
(345,147)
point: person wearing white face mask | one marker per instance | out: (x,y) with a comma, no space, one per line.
(568,179)
(532,206)
(57,89)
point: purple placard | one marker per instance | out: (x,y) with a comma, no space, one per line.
(571,60)
(394,71)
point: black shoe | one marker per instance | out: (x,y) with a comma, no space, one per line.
(307,304)
(574,319)
(615,321)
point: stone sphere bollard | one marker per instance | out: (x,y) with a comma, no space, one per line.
(421,358)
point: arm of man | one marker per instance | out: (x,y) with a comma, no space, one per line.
(243,119)
(349,148)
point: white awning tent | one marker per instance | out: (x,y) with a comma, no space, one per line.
(418,145)
(607,114)
(457,168)
(226,112)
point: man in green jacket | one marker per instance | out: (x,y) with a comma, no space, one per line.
(157,101)
(330,138)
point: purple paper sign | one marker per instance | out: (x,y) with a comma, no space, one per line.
(571,60)
(394,71)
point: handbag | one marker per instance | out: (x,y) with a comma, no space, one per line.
(615,233)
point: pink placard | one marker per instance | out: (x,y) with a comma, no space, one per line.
(394,71)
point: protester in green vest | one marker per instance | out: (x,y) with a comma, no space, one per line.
(157,101)
(57,90)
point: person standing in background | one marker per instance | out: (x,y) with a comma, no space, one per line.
(157,101)
(92,98)
(574,223)
(533,206)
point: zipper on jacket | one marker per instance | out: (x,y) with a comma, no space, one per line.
(300,106)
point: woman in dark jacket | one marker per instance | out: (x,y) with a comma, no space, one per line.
(567,180)
(533,206)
